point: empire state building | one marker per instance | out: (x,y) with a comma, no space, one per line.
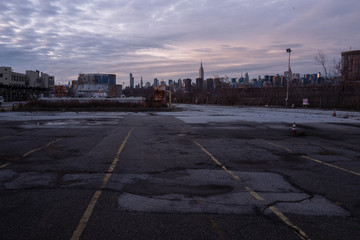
(201,72)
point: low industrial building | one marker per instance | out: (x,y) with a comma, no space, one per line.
(10,78)
(19,86)
(351,66)
(96,85)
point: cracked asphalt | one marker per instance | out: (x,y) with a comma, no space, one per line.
(175,180)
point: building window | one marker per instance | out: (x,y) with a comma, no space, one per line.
(1,75)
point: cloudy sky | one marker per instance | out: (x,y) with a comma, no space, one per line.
(168,38)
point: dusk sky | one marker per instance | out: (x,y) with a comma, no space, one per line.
(168,39)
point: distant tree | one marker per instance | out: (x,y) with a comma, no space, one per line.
(321,59)
(337,68)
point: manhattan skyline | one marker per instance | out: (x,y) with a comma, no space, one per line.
(168,39)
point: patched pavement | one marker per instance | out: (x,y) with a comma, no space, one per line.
(178,180)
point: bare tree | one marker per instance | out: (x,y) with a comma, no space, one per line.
(337,68)
(321,59)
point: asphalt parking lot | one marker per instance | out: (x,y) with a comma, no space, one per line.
(194,174)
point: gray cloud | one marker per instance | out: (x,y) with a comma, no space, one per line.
(168,38)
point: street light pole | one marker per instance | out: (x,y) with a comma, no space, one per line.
(288,79)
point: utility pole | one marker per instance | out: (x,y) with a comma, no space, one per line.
(288,79)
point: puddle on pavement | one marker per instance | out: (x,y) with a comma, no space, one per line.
(67,123)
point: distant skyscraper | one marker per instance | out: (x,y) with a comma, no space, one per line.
(296,76)
(162,83)
(199,84)
(276,81)
(147,85)
(187,84)
(247,78)
(141,82)
(201,72)
(267,78)
(131,81)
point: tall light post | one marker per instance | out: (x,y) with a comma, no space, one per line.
(288,79)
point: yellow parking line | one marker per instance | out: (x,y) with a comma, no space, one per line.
(85,218)
(216,161)
(298,232)
(331,165)
(4,165)
(301,234)
(219,232)
(17,134)
(285,148)
(254,194)
(37,149)
(315,160)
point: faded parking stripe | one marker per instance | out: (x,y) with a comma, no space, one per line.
(85,218)
(301,234)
